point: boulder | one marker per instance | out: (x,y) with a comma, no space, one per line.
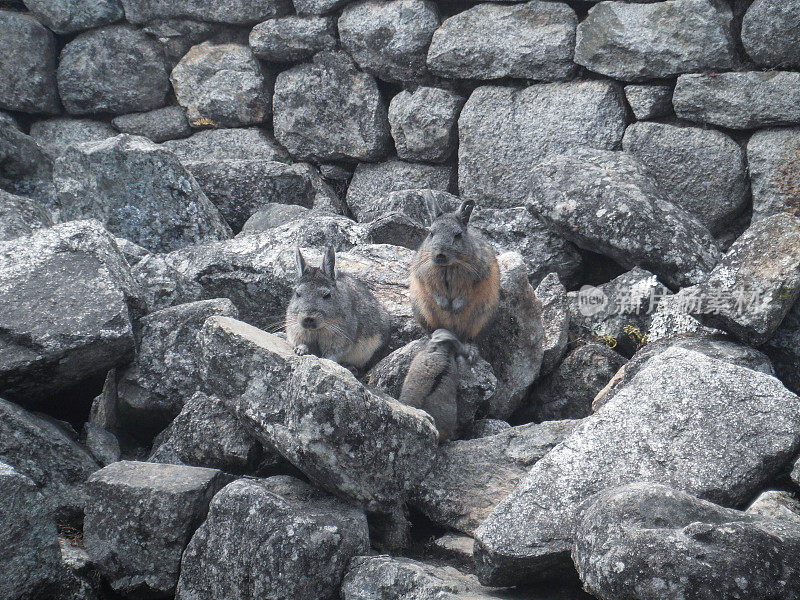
(115,69)
(319,427)
(101,444)
(756,283)
(423,123)
(165,375)
(485,428)
(654,430)
(235,12)
(555,320)
(518,230)
(274,214)
(39,449)
(632,219)
(390,39)
(293,38)
(222,85)
(773,158)
(69,16)
(29,552)
(673,316)
(795,474)
(211,145)
(702,171)
(343,119)
(776,504)
(503,131)
(285,539)
(24,169)
(412,202)
(649,101)
(771,33)
(159,125)
(470,477)
(27,65)
(371,182)
(7,119)
(139,191)
(531,40)
(650,541)
(55,135)
(139,520)
(740,100)
(513,342)
(206,434)
(65,294)
(177,35)
(317,7)
(636,42)
(783,348)
(21,216)
(162,285)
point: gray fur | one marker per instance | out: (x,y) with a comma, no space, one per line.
(334,315)
(450,235)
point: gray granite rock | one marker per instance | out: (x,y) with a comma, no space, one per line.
(139,80)
(632,219)
(177,35)
(372,181)
(485,428)
(29,553)
(274,214)
(636,42)
(756,283)
(7,119)
(20,216)
(531,40)
(674,316)
(222,85)
(343,119)
(159,125)
(651,541)
(776,504)
(412,202)
(139,520)
(249,143)
(654,430)
(293,38)
(39,449)
(235,12)
(795,474)
(702,171)
(390,38)
(555,320)
(284,538)
(69,16)
(470,477)
(783,348)
(27,65)
(162,285)
(773,158)
(206,434)
(517,229)
(649,101)
(139,191)
(423,123)
(65,295)
(503,131)
(771,33)
(55,135)
(24,169)
(102,444)
(321,429)
(741,100)
(166,373)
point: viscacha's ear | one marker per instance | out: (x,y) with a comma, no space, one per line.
(465,211)
(329,263)
(300,262)
(434,210)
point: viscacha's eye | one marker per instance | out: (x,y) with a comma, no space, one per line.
(326,294)
(296,293)
(457,235)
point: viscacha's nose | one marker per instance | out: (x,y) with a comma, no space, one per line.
(308,322)
(440,258)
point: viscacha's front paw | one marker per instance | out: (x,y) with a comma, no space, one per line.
(458,304)
(441,301)
(302,349)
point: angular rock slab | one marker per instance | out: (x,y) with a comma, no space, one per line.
(776,504)
(605,202)
(771,33)
(65,294)
(343,119)
(470,477)
(85,81)
(27,65)
(740,100)
(655,430)
(272,538)
(139,191)
(55,135)
(20,216)
(69,16)
(293,38)
(649,101)
(317,415)
(503,131)
(773,159)
(139,520)
(222,85)
(29,553)
(636,42)
(390,39)
(157,125)
(555,320)
(757,281)
(650,541)
(235,12)
(531,40)
(249,143)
